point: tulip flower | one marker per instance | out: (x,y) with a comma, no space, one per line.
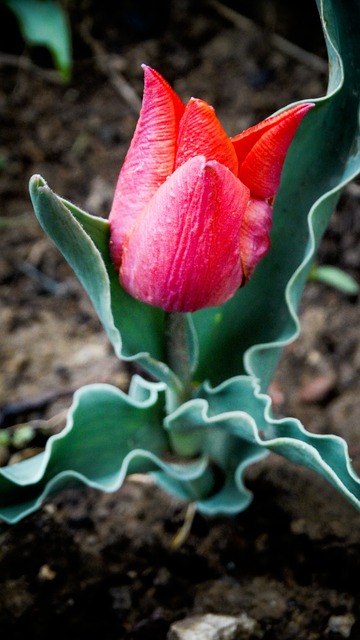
(192,211)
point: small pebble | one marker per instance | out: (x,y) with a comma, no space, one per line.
(213,627)
(46,573)
(341,625)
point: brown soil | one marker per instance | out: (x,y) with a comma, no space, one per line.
(95,565)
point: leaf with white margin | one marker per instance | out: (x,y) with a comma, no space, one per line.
(233,426)
(229,426)
(107,434)
(135,329)
(247,334)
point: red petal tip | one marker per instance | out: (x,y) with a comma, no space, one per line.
(261,150)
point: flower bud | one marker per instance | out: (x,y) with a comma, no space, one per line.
(191,214)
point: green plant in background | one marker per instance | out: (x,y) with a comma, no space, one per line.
(44,23)
(334,277)
(207,402)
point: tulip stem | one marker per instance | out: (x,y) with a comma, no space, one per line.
(178,358)
(182,445)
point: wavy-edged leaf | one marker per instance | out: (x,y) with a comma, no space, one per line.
(108,435)
(136,330)
(248,333)
(229,426)
(232,425)
(224,429)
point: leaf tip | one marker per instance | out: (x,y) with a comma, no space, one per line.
(36,182)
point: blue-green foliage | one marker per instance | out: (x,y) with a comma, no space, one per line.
(334,277)
(228,422)
(44,23)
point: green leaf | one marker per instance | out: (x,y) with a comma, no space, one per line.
(135,329)
(223,429)
(232,424)
(248,333)
(44,23)
(107,435)
(335,278)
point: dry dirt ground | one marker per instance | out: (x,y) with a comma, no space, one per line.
(95,565)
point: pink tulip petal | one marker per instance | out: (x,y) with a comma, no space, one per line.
(261,150)
(150,159)
(254,239)
(201,133)
(183,253)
